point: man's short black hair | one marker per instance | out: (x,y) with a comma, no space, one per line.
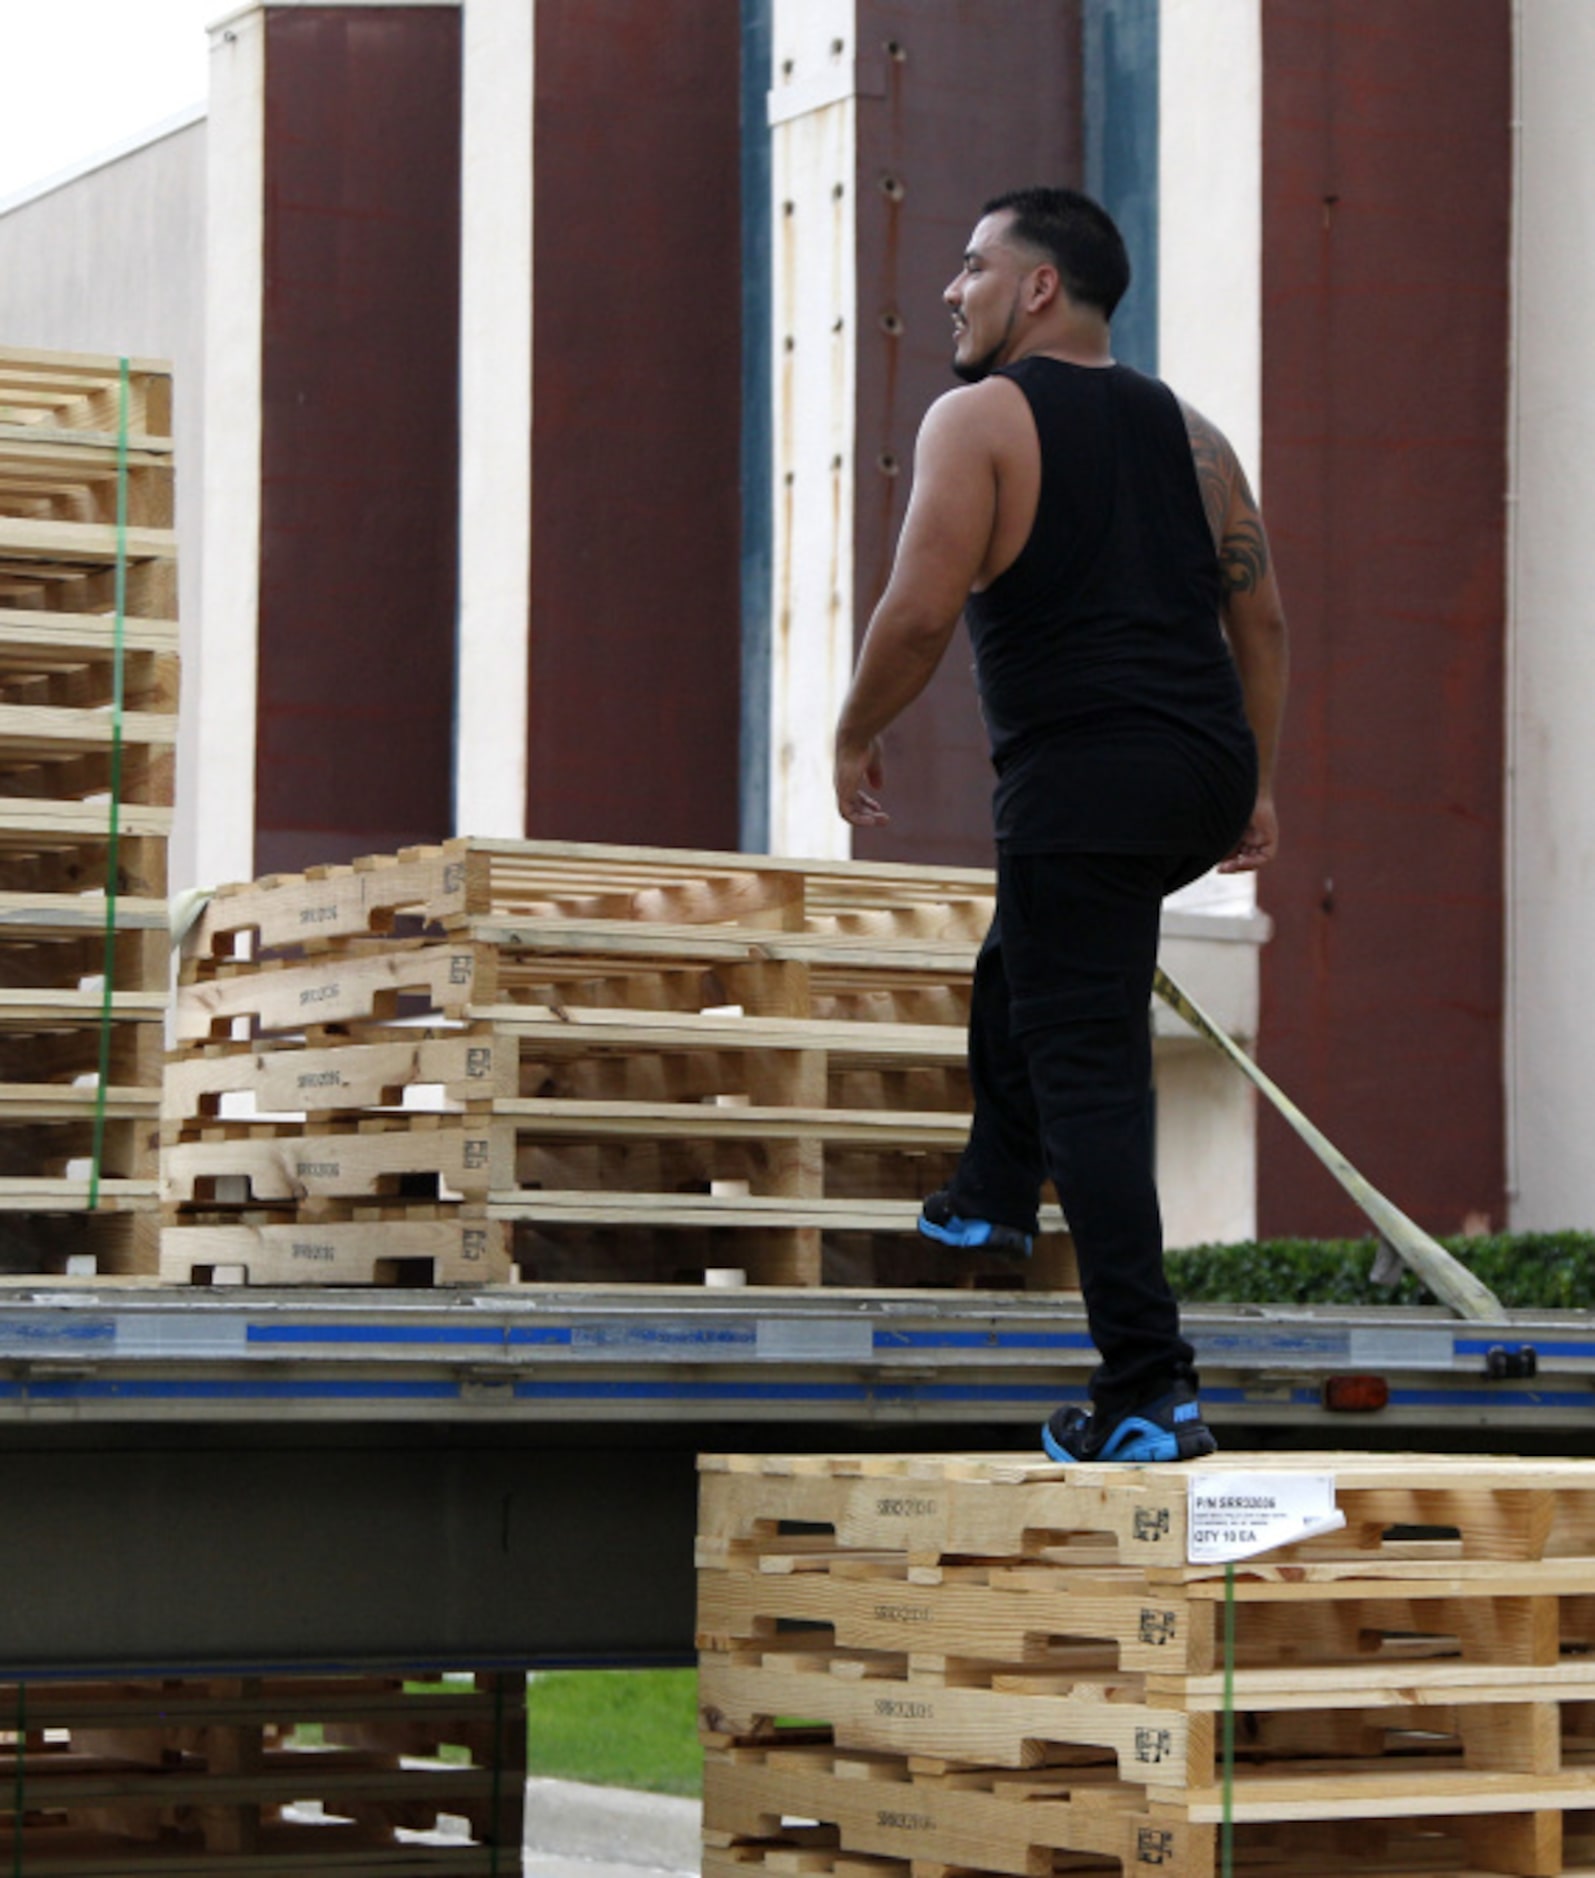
(1077,235)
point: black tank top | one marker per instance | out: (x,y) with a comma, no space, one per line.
(1113,705)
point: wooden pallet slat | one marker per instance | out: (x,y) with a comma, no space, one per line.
(81,393)
(337,1251)
(518,885)
(47,641)
(874,1809)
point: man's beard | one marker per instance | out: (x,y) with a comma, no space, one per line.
(973,370)
(983,367)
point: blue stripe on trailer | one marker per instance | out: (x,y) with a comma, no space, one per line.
(1493,1396)
(574,1390)
(374,1333)
(18,1334)
(982,1340)
(1542,1346)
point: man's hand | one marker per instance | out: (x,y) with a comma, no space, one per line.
(1258,845)
(860,768)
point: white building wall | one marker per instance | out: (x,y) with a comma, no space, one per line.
(813,117)
(495,416)
(1550,1040)
(110,259)
(1210,154)
(233,285)
(1210,255)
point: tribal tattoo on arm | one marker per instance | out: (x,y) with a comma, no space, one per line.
(1243,550)
(1231,508)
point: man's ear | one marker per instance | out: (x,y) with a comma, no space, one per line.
(1045,287)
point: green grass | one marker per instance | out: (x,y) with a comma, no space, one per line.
(616,1728)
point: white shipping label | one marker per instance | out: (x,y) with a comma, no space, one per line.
(1234,1516)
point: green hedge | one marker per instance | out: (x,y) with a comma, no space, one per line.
(1526,1271)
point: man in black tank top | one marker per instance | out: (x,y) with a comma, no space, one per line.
(1103,544)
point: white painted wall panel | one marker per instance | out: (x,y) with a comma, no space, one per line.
(1210,222)
(1210,155)
(813,150)
(495,417)
(233,287)
(1551,629)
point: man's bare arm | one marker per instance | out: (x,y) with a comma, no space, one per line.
(945,537)
(1254,620)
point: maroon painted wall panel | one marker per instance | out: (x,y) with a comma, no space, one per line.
(976,100)
(360,452)
(636,513)
(1386,228)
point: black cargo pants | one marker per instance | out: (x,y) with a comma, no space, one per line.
(1060,1058)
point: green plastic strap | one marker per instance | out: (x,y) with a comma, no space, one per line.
(113,858)
(1227,1829)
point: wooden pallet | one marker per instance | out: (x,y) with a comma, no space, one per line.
(35,578)
(522,882)
(263,1775)
(647,1064)
(988,1663)
(46,1133)
(645,973)
(1362,1725)
(582,1238)
(81,393)
(504,1053)
(413,1245)
(540,1144)
(60,466)
(1425,1615)
(69,564)
(623,1144)
(1433,1509)
(50,476)
(780,1811)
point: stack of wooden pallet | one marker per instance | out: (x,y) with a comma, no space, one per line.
(581,1063)
(413,1779)
(983,1664)
(62,469)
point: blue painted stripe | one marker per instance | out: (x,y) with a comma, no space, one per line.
(374,1333)
(1493,1396)
(1121,103)
(19,1334)
(1543,1346)
(563,1390)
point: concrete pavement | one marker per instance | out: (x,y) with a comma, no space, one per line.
(579,1831)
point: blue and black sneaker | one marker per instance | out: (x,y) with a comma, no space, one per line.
(937,1220)
(1170,1429)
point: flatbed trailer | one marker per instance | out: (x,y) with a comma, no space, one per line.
(226,1477)
(540,1355)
